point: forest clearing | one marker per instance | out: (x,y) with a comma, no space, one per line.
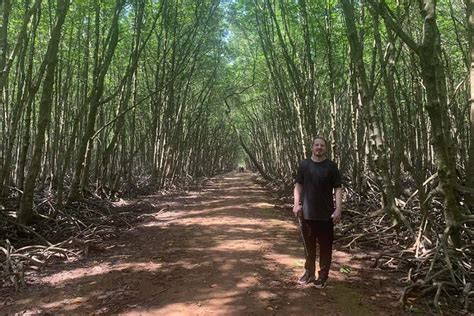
(124,125)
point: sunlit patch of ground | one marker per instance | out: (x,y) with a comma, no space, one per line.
(59,278)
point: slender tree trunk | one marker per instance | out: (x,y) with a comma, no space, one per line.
(357,129)
(93,103)
(470,165)
(387,68)
(377,143)
(430,66)
(6,62)
(429,52)
(5,8)
(25,211)
(127,91)
(332,82)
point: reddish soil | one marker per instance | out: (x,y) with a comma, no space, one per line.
(224,249)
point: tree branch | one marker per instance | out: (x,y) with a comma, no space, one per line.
(387,16)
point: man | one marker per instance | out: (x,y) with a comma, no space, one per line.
(316,180)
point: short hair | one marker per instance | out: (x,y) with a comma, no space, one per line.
(320,137)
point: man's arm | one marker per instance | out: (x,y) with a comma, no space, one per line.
(297,192)
(336,216)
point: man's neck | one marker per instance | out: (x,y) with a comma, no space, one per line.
(318,158)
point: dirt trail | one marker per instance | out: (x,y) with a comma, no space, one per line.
(222,250)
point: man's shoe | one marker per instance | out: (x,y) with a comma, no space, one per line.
(320,283)
(306,278)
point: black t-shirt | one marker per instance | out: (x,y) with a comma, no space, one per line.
(318,180)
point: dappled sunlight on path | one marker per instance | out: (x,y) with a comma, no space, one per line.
(222,250)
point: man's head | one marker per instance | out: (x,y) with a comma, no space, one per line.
(319,147)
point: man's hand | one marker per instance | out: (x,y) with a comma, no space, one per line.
(336,216)
(298,210)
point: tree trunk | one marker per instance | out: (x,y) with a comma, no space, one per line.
(387,68)
(432,73)
(25,211)
(5,8)
(430,66)
(93,104)
(332,84)
(377,142)
(470,165)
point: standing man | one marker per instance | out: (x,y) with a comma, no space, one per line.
(317,179)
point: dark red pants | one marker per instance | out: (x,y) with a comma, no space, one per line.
(322,233)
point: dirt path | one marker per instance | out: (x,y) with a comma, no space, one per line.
(222,250)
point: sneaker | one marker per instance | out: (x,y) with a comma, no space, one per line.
(306,278)
(320,283)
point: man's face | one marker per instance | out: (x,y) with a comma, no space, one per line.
(319,147)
